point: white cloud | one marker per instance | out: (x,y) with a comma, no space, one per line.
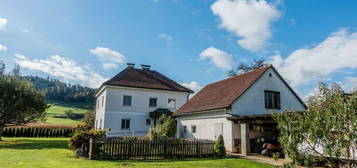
(248,19)
(24,30)
(106,54)
(169,39)
(194,86)
(110,58)
(218,57)
(3,48)
(350,83)
(64,68)
(108,66)
(3,23)
(338,52)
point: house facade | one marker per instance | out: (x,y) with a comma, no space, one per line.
(131,102)
(239,108)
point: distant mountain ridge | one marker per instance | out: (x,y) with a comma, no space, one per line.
(59,91)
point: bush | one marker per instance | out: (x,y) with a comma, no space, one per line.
(71,115)
(219,148)
(166,128)
(81,138)
(87,122)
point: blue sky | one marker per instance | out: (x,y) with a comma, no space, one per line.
(192,42)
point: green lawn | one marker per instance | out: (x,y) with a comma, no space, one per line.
(53,153)
(58,108)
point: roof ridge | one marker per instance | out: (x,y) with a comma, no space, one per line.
(145,78)
(168,79)
(239,75)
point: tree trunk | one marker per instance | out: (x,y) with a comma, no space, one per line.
(1,129)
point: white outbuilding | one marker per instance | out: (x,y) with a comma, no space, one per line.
(239,108)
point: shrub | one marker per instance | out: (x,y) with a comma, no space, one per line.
(81,138)
(166,128)
(71,115)
(87,122)
(219,148)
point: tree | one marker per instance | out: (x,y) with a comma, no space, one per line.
(219,148)
(2,68)
(16,70)
(19,102)
(327,130)
(243,67)
(166,128)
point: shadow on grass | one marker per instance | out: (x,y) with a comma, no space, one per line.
(33,144)
(163,160)
(83,105)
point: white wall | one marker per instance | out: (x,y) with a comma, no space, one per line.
(205,126)
(138,112)
(100,108)
(253,100)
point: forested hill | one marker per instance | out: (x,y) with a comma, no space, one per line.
(59,91)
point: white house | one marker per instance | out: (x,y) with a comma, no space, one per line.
(239,108)
(130,102)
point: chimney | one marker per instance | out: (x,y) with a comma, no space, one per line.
(145,67)
(130,65)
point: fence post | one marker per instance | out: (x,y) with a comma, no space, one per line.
(90,155)
(165,149)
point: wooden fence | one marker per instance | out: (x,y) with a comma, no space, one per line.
(122,148)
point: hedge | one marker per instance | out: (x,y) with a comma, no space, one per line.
(36,132)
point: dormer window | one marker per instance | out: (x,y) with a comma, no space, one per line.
(272,100)
(126,100)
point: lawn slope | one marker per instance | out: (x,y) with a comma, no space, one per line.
(59,108)
(53,153)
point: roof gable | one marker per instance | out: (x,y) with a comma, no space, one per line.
(145,78)
(223,93)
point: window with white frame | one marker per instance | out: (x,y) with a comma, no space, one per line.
(193,129)
(171,103)
(148,122)
(127,100)
(102,101)
(125,124)
(152,102)
(272,99)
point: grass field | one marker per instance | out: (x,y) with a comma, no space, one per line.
(58,108)
(53,153)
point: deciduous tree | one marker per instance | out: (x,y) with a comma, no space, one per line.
(19,102)
(327,130)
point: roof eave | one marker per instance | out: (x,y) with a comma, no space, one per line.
(199,112)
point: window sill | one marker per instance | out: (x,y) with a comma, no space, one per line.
(272,108)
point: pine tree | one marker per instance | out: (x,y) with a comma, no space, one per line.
(219,148)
